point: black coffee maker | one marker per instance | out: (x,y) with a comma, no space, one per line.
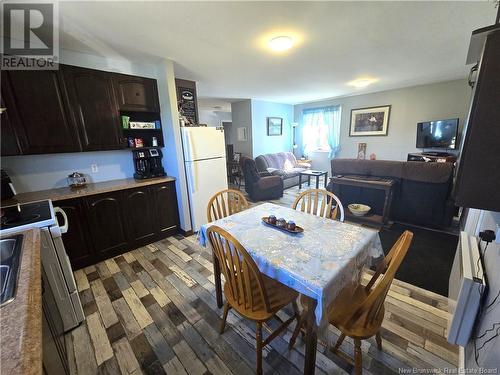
(147,163)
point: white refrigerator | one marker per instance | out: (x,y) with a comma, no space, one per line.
(205,164)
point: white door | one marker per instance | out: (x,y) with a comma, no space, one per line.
(203,143)
(205,178)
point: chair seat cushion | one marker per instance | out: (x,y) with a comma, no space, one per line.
(278,294)
(342,309)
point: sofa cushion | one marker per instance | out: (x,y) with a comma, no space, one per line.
(436,173)
(277,160)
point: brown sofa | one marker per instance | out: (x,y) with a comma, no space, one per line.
(422,194)
(260,186)
(283,164)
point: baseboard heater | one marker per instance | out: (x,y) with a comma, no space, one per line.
(466,287)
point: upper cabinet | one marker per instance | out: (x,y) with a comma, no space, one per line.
(10,145)
(94,107)
(136,93)
(73,109)
(37,110)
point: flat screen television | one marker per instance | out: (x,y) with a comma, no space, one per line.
(437,134)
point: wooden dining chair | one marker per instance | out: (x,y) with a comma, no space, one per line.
(319,202)
(359,314)
(224,203)
(250,293)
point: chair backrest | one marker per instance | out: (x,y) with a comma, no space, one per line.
(320,203)
(244,280)
(369,309)
(225,203)
(249,170)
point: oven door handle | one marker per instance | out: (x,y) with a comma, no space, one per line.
(63,228)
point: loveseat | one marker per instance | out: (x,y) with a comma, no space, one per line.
(283,164)
(422,194)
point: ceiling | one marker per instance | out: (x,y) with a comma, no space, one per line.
(221,45)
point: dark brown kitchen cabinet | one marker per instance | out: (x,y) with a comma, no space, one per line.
(136,93)
(9,146)
(94,108)
(106,223)
(76,240)
(140,219)
(165,207)
(109,224)
(38,111)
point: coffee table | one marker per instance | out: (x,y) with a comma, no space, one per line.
(312,173)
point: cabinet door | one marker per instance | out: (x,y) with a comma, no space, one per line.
(41,121)
(140,219)
(165,208)
(94,107)
(136,93)
(10,145)
(78,248)
(107,224)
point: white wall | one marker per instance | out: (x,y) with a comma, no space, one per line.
(408,107)
(213,118)
(39,172)
(489,356)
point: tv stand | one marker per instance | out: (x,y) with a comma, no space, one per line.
(436,153)
(439,157)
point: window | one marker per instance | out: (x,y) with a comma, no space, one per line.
(321,130)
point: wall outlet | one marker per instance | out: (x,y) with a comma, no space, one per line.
(94,168)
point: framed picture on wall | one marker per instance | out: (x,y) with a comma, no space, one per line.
(274,126)
(369,121)
(242,134)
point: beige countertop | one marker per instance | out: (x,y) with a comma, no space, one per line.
(59,194)
(21,319)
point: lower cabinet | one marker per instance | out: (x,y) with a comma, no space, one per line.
(166,215)
(77,238)
(106,221)
(105,225)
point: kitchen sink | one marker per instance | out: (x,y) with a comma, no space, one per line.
(10,260)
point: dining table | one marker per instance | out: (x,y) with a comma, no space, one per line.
(318,262)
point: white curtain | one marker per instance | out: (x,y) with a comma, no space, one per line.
(321,130)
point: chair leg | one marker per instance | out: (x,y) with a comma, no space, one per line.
(258,338)
(378,338)
(358,363)
(339,342)
(224,317)
(300,323)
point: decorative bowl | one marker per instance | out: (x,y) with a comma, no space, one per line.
(358,209)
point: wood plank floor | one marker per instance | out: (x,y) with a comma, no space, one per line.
(153,311)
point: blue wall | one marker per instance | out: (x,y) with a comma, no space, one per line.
(261,142)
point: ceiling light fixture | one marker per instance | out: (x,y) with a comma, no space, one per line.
(362,82)
(281,43)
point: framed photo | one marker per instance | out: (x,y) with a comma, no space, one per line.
(242,134)
(369,121)
(274,126)
(362,151)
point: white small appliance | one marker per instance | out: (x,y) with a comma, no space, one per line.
(205,164)
(55,261)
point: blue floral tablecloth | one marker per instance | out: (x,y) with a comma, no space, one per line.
(319,262)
